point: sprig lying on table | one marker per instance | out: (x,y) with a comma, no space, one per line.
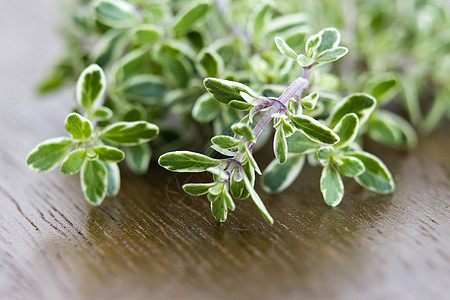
(92,149)
(296,134)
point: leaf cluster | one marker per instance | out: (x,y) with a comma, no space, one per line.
(158,54)
(330,141)
(91,149)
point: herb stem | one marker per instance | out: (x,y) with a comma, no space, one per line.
(295,88)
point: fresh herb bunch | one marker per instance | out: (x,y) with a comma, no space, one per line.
(92,149)
(400,51)
(157,53)
(296,135)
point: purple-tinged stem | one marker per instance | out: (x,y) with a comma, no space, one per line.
(297,87)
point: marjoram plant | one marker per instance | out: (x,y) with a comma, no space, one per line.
(157,54)
(296,134)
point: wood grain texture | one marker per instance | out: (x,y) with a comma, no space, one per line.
(154,241)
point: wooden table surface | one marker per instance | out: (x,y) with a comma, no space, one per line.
(153,241)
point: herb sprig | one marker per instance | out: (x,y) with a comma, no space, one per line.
(91,149)
(296,134)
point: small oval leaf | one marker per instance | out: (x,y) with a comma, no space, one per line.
(94,181)
(73,163)
(278,177)
(46,155)
(109,154)
(331,186)
(78,126)
(130,133)
(186,161)
(360,104)
(376,176)
(91,86)
(314,130)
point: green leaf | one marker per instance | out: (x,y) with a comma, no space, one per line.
(205,109)
(224,90)
(280,147)
(49,153)
(225,141)
(133,112)
(145,88)
(258,19)
(212,197)
(249,99)
(134,62)
(383,87)
(351,166)
(360,104)
(304,61)
(237,188)
(243,130)
(78,126)
(376,176)
(109,154)
(130,133)
(109,47)
(278,177)
(252,160)
(94,181)
(284,22)
(331,186)
(216,189)
(115,13)
(296,38)
(411,97)
(178,71)
(284,48)
(229,200)
(113,172)
(187,17)
(287,128)
(312,43)
(91,86)
(197,189)
(138,158)
(172,48)
(73,163)
(54,79)
(211,63)
(298,143)
(148,33)
(257,200)
(437,112)
(324,155)
(310,101)
(219,209)
(346,129)
(224,151)
(185,161)
(331,55)
(330,39)
(314,130)
(240,105)
(102,113)
(391,130)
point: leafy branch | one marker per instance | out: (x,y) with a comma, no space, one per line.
(234,176)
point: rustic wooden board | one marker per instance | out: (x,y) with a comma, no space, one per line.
(153,241)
